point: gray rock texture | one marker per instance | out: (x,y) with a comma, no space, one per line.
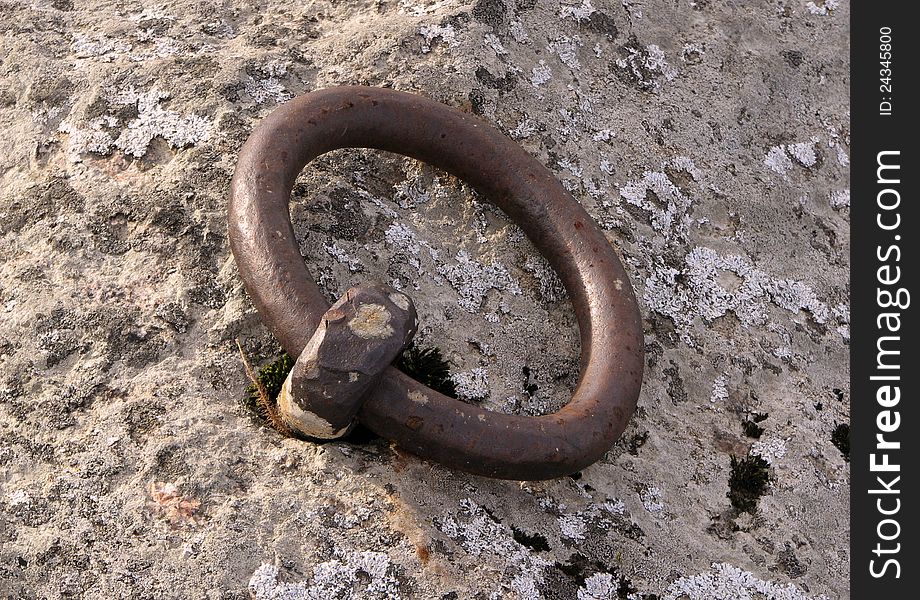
(708,139)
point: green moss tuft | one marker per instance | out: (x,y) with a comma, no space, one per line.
(272,376)
(751,427)
(841,438)
(748,482)
(427,366)
(535,542)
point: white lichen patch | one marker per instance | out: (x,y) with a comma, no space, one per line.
(840,199)
(634,11)
(600,586)
(540,74)
(84,46)
(841,313)
(822,7)
(105,134)
(355,575)
(697,292)
(46,115)
(692,53)
(604,135)
(647,66)
(572,527)
(770,450)
(418,187)
(726,582)
(524,130)
(575,526)
(401,237)
(803,153)
(472,384)
(18,498)
(446,33)
(566,48)
(655,61)
(156,12)
(778,161)
(783,352)
(843,159)
(779,158)
(495,44)
(579,13)
(161,47)
(353,517)
(518,32)
(92,138)
(571,167)
(719,390)
(667,206)
(267,85)
(148,43)
(482,535)
(153,121)
(334,250)
(651,499)
(472,280)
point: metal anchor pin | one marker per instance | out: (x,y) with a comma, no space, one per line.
(357,339)
(341,376)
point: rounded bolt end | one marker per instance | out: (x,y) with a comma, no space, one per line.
(357,339)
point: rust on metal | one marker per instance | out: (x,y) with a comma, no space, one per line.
(440,428)
(357,339)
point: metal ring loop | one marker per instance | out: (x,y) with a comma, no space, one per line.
(417,418)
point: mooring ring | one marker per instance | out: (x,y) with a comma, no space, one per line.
(418,419)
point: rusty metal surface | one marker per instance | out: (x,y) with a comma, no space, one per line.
(417,418)
(357,339)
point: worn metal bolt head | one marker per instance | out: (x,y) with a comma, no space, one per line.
(357,338)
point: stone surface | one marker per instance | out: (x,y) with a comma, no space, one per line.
(710,141)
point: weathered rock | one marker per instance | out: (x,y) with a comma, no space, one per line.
(709,139)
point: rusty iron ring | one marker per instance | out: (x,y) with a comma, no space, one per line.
(418,419)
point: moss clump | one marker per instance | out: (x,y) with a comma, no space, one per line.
(427,366)
(270,378)
(748,481)
(535,542)
(751,427)
(840,437)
